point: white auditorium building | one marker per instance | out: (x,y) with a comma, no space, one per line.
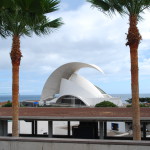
(66,87)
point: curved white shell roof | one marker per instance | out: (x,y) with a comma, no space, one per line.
(52,85)
(81,88)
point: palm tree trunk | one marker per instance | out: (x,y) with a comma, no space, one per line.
(15,58)
(133,42)
(135,94)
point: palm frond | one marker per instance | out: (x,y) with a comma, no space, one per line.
(4,8)
(49,6)
(24,18)
(38,6)
(30,6)
(100,4)
(129,7)
(107,6)
(3,32)
(45,26)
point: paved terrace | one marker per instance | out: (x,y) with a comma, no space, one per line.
(101,114)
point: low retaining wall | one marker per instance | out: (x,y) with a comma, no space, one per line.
(10,143)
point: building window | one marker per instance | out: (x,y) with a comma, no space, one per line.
(115,126)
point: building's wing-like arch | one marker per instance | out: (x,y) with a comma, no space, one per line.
(52,84)
(78,97)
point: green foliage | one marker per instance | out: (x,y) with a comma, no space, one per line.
(141,105)
(129,105)
(142,100)
(106,6)
(4,8)
(129,101)
(123,7)
(105,104)
(8,104)
(25,17)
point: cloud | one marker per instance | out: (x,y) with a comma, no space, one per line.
(87,36)
(145,67)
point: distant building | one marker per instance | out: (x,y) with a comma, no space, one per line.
(29,103)
(65,87)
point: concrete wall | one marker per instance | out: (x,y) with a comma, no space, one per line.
(9,143)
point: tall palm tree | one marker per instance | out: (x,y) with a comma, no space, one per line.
(24,18)
(132,8)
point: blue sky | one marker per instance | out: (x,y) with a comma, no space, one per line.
(71,4)
(86,36)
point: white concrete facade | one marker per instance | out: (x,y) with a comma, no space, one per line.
(9,143)
(65,81)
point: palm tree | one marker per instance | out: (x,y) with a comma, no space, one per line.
(24,18)
(132,8)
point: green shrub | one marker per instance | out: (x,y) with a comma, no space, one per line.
(129,106)
(141,105)
(8,104)
(106,104)
(141,100)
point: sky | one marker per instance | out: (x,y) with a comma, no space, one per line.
(87,36)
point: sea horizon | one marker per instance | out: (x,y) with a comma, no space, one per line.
(37,97)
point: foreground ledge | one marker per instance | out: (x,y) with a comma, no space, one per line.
(75,141)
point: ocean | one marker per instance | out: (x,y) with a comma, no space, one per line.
(21,97)
(125,97)
(37,97)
